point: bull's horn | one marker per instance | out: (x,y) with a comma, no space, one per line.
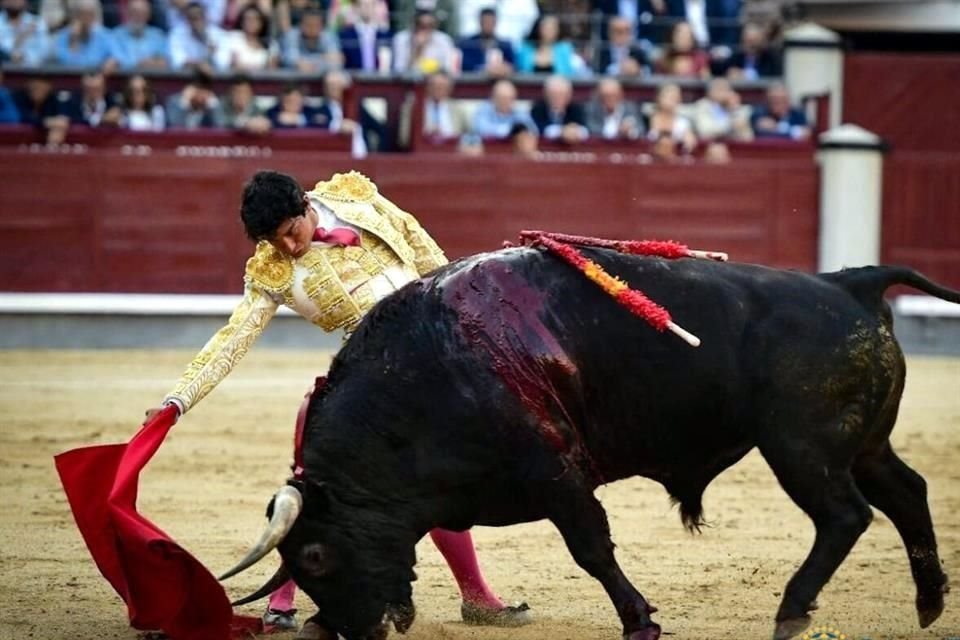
(279,579)
(287,504)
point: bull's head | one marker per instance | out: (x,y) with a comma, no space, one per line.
(351,567)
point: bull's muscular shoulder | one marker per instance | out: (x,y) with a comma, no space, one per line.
(269,269)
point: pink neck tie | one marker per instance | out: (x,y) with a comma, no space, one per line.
(338,236)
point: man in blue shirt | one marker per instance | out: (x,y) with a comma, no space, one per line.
(135,44)
(82,43)
(23,36)
(497,117)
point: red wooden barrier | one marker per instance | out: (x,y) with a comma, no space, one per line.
(104,221)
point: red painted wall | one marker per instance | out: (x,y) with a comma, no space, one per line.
(104,221)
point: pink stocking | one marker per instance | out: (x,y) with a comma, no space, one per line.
(457,549)
(282,598)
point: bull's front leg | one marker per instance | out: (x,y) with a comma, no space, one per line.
(582,522)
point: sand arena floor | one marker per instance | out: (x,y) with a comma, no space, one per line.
(209,483)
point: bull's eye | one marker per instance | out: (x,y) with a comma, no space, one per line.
(316,559)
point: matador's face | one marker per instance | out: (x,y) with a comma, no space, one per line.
(294,235)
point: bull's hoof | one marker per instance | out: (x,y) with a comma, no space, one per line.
(787,629)
(313,631)
(929,610)
(517,616)
(402,616)
(647,633)
(929,607)
(813,606)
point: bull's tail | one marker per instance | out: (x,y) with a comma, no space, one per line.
(867,284)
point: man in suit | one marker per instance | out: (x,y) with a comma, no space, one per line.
(556,115)
(196,107)
(362,42)
(754,59)
(622,55)
(484,52)
(778,118)
(329,254)
(610,116)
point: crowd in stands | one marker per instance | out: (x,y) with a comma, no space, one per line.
(607,40)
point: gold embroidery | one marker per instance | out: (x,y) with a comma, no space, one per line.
(270,269)
(225,348)
(346,187)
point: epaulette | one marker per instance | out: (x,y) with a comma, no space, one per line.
(270,269)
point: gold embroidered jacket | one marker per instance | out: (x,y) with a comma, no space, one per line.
(331,286)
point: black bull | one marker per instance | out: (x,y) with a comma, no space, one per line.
(506,387)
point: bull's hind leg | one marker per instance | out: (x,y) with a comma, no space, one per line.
(827,493)
(901,493)
(582,522)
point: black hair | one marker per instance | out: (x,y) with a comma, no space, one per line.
(201,79)
(270,198)
(241,78)
(264,22)
(488,11)
(534,35)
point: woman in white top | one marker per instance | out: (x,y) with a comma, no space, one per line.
(667,122)
(248,48)
(139,110)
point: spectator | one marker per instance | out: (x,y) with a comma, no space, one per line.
(443,117)
(344,13)
(514,18)
(288,13)
(545,52)
(84,42)
(778,118)
(92,107)
(423,48)
(666,123)
(249,47)
(720,116)
(178,12)
(291,110)
(234,8)
(754,59)
(240,108)
(622,56)
(193,44)
(135,44)
(196,107)
(54,14)
(9,114)
(403,13)
(484,52)
(331,114)
(310,48)
(611,117)
(557,116)
(682,57)
(714,22)
(524,141)
(38,106)
(23,36)
(363,41)
(497,117)
(138,109)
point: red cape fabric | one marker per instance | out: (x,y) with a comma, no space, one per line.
(163,586)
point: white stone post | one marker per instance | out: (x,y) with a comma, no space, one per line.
(851,185)
(813,64)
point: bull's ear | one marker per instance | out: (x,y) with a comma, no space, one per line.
(317,559)
(317,496)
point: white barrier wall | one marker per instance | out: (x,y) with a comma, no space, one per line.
(851,180)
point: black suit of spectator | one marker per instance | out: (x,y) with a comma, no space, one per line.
(475,53)
(73,108)
(35,116)
(543,118)
(768,63)
(350,47)
(720,34)
(605,59)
